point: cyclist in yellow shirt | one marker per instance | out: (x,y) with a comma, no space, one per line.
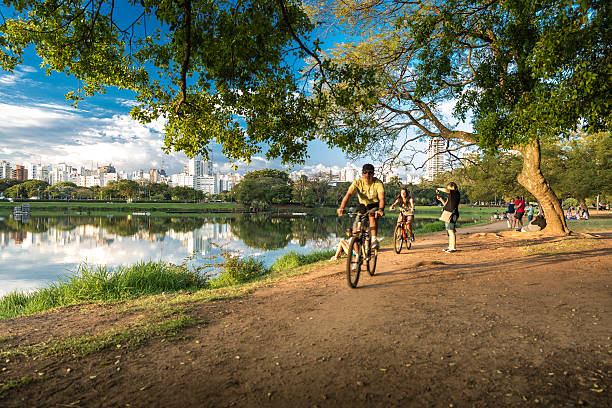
(371,193)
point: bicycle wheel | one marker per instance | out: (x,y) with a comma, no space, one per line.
(398,239)
(371,263)
(353,262)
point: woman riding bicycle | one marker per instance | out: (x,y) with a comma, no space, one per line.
(406,207)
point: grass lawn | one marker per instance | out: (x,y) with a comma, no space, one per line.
(54,207)
(593,224)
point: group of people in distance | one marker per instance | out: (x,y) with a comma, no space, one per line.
(371,194)
(517,208)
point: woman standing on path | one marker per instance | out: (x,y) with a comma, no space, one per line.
(451,204)
(406,207)
(511,213)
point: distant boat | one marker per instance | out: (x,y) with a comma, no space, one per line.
(298,213)
(141,213)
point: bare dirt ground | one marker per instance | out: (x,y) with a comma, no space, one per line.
(488,326)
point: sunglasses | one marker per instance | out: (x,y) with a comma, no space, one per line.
(368,172)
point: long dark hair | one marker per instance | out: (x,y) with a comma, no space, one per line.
(399,195)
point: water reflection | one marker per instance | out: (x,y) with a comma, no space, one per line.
(35,252)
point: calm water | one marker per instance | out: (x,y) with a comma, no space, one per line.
(37,251)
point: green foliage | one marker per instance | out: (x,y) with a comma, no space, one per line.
(64,189)
(233,82)
(6,183)
(238,270)
(98,283)
(187,194)
(292,259)
(265,186)
(432,227)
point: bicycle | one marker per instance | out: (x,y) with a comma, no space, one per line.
(360,248)
(401,236)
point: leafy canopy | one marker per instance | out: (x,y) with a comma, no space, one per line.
(214,70)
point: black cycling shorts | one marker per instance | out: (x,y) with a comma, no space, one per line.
(371,206)
(519,215)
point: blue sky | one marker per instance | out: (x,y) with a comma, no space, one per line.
(38,124)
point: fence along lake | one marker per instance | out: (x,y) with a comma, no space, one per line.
(37,250)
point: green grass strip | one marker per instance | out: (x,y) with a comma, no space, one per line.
(103,284)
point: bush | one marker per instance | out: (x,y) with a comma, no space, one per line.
(237,270)
(431,227)
(291,259)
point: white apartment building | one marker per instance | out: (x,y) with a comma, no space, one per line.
(349,173)
(89,181)
(206,184)
(5,169)
(435,158)
(181,179)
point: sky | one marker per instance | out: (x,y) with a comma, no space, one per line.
(37,124)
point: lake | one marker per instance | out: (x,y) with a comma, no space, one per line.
(37,250)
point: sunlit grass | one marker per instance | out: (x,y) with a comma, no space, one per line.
(558,247)
(593,224)
(101,283)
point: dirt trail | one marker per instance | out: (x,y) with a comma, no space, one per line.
(487,326)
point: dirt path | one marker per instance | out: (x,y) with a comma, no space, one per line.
(487,326)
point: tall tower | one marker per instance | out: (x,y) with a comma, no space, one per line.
(196,167)
(435,158)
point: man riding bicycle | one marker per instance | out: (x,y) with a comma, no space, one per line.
(371,193)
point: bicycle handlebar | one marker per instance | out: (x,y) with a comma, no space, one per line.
(355,213)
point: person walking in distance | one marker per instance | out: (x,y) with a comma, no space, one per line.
(519,208)
(371,193)
(451,204)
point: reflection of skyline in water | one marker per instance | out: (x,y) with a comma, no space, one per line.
(30,259)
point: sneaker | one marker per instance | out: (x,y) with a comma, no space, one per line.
(333,258)
(411,239)
(375,244)
(449,251)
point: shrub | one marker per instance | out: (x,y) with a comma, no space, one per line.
(292,259)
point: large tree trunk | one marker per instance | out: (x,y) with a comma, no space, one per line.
(532,179)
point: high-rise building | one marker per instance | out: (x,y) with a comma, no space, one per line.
(19,173)
(30,169)
(435,158)
(198,167)
(5,169)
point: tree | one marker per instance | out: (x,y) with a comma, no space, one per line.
(5,183)
(157,191)
(16,191)
(64,189)
(489,177)
(584,167)
(524,72)
(127,189)
(506,65)
(34,188)
(266,186)
(186,194)
(214,70)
